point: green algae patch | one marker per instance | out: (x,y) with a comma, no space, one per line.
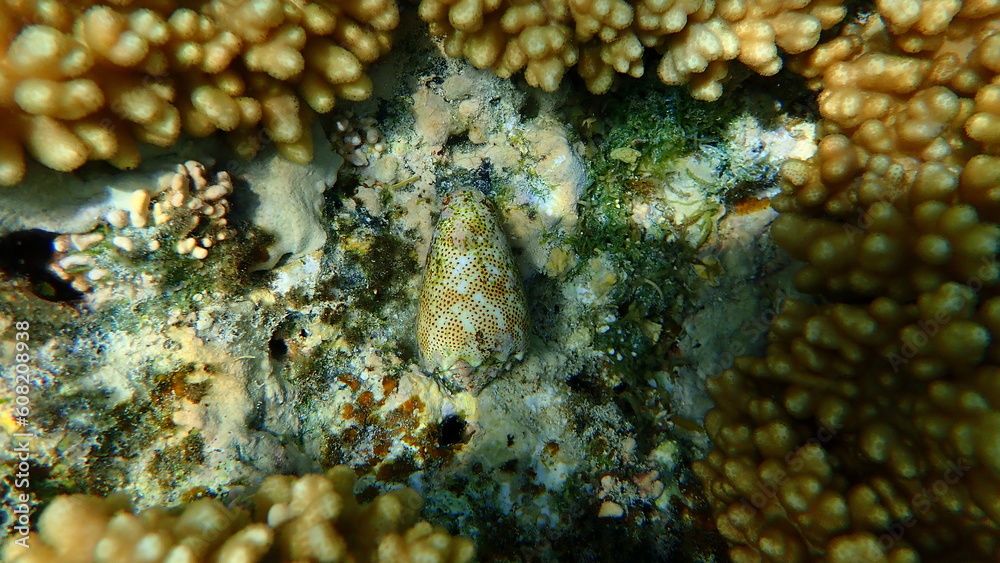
(173,462)
(662,168)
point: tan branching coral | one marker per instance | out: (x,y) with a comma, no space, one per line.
(608,37)
(83,82)
(853,429)
(186,214)
(896,253)
(868,431)
(312,518)
(317,519)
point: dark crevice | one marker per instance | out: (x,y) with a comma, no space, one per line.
(452,431)
(27,254)
(278,348)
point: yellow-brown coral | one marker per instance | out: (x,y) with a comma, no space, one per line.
(312,518)
(868,432)
(605,37)
(83,82)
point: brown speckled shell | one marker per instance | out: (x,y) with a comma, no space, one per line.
(472,317)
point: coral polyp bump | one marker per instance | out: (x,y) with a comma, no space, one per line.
(472,317)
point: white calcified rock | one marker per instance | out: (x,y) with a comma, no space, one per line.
(68,203)
(76,202)
(289,196)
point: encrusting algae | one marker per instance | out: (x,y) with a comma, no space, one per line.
(472,315)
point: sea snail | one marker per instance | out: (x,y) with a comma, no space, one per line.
(472,319)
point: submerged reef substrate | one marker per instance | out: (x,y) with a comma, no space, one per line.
(760,285)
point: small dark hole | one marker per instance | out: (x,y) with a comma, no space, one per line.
(452,431)
(26,254)
(587,385)
(582,383)
(509,466)
(623,310)
(531,108)
(278,348)
(282,261)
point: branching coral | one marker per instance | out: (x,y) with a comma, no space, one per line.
(189,215)
(605,37)
(312,518)
(877,415)
(83,82)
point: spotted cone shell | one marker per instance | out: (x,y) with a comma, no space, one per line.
(472,317)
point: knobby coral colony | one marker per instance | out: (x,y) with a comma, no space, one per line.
(869,430)
(84,81)
(603,38)
(310,518)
